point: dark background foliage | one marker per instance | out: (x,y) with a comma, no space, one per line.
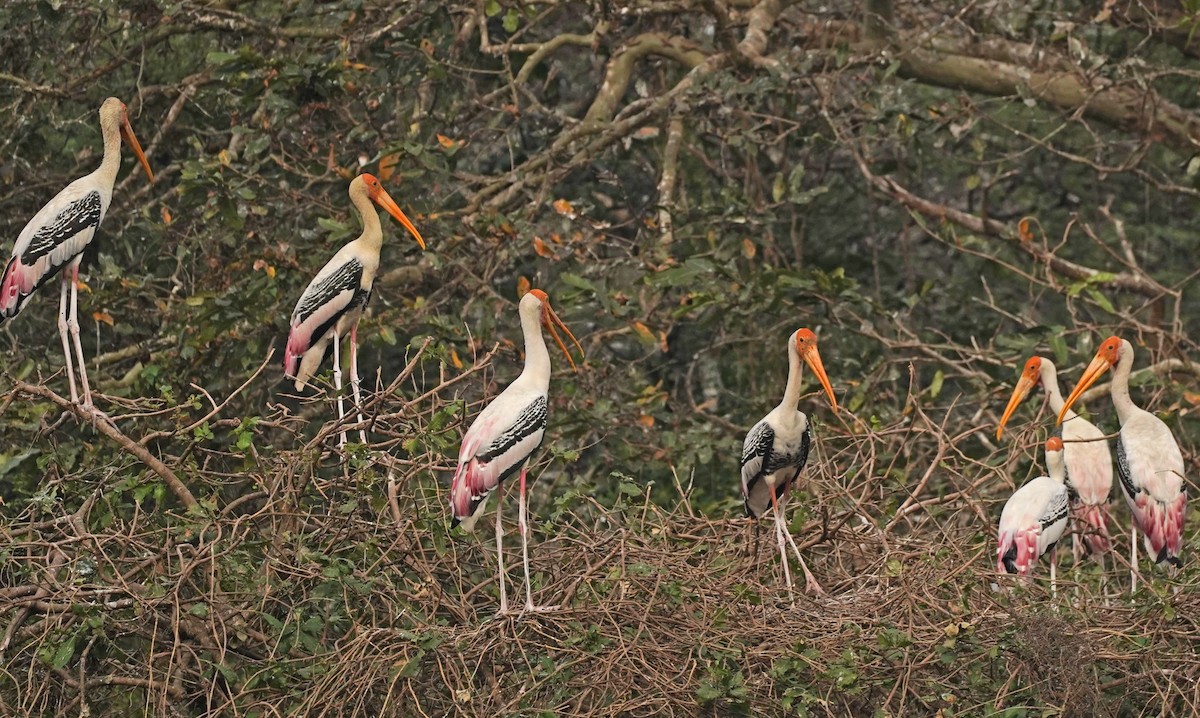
(690,182)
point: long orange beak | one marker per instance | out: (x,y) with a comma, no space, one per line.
(383,199)
(1098,366)
(1024,385)
(550,319)
(813,358)
(132,140)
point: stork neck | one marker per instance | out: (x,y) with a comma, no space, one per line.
(537,358)
(372,234)
(112,153)
(1120,383)
(1054,395)
(791,392)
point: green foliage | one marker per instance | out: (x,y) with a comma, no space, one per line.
(303,576)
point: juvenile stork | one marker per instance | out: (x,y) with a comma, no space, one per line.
(1087,456)
(776,449)
(1149,462)
(506,433)
(1034,519)
(334,301)
(59,233)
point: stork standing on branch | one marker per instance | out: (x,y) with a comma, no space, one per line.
(59,233)
(1149,462)
(1035,518)
(776,449)
(506,433)
(335,299)
(1087,457)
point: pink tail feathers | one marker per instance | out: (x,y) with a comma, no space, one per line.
(1018,551)
(1162,526)
(1092,523)
(13,288)
(296,347)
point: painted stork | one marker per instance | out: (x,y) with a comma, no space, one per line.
(1035,518)
(335,299)
(1087,456)
(58,234)
(506,433)
(776,449)
(1149,462)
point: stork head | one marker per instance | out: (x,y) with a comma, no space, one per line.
(550,320)
(368,183)
(1030,377)
(1106,358)
(1054,458)
(114,113)
(805,343)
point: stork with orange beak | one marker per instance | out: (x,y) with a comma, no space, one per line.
(59,233)
(1149,462)
(1034,519)
(776,450)
(335,299)
(1086,454)
(505,434)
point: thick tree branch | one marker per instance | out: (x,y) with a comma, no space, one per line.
(620,70)
(998,67)
(129,445)
(984,226)
(1125,106)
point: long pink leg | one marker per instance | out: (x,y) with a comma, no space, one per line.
(337,385)
(73,325)
(362,433)
(810,581)
(779,532)
(1133,567)
(525,552)
(1053,572)
(62,332)
(500,554)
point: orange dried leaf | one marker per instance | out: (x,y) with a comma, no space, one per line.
(103,317)
(357,66)
(644,333)
(564,208)
(166,215)
(540,247)
(1024,230)
(1192,397)
(748,248)
(523,286)
(454,359)
(448,143)
(427,47)
(646,421)
(387,166)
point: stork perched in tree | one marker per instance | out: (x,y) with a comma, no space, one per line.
(1035,518)
(506,433)
(58,234)
(335,299)
(776,449)
(1087,457)
(1149,462)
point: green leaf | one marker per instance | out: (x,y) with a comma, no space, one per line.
(1102,300)
(511,19)
(492,8)
(935,387)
